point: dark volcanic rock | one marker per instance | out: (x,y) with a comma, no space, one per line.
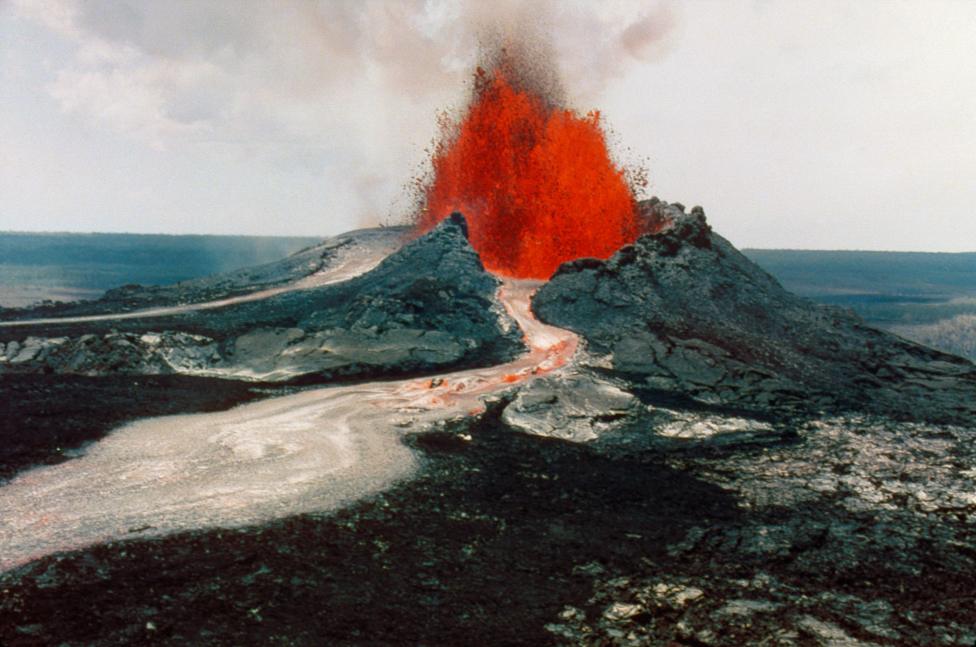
(683,311)
(857,532)
(429,305)
(114,353)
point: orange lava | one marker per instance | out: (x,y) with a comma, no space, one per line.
(535,181)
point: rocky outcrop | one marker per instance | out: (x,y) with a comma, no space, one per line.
(682,311)
(429,305)
(114,353)
(571,405)
(849,526)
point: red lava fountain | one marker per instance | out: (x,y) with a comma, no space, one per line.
(535,181)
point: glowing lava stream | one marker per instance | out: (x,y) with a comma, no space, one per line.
(309,452)
(354,259)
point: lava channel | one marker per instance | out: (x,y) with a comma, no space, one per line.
(309,452)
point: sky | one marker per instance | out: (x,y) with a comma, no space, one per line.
(795,124)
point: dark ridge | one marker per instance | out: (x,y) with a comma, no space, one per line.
(682,310)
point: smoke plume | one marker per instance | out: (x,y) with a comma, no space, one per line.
(348,89)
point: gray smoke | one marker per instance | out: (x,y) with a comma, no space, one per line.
(347,88)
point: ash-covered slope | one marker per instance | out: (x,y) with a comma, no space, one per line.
(684,312)
(429,305)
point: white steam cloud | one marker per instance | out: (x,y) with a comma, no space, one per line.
(347,88)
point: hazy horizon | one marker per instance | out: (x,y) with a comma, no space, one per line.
(797,125)
(43,232)
(315,237)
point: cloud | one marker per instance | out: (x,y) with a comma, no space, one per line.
(359,80)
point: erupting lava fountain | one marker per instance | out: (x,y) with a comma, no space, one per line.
(534,180)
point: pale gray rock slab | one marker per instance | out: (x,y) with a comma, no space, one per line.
(571,406)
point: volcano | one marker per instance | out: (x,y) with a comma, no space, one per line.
(545,412)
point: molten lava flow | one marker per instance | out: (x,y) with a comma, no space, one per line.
(535,182)
(307,452)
